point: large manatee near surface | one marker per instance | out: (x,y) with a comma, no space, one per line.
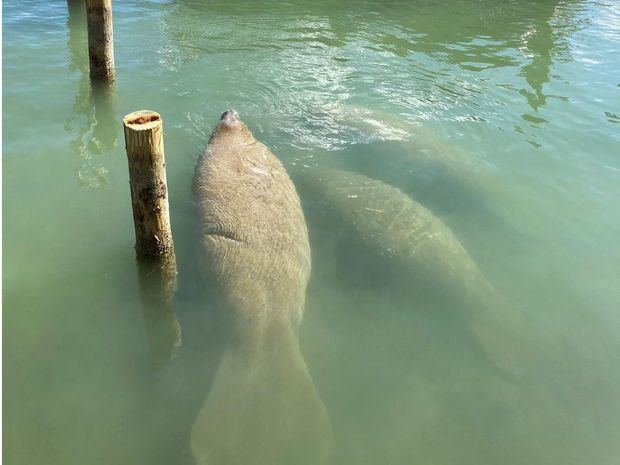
(263,407)
(404,246)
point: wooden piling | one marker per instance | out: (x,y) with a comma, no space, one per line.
(100,39)
(157,270)
(144,143)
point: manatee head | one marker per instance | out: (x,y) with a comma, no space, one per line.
(230,129)
(230,118)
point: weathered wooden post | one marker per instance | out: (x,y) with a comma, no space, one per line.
(157,269)
(100,39)
(144,142)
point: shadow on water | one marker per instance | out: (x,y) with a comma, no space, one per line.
(94,124)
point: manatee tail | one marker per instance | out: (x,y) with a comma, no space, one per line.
(263,409)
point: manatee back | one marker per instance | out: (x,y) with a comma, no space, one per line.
(391,225)
(254,235)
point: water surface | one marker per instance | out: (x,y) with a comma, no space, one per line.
(520,100)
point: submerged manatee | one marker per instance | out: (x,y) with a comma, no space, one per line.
(416,252)
(263,407)
(443,177)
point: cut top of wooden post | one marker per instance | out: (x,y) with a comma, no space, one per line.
(142,119)
(143,134)
(147,177)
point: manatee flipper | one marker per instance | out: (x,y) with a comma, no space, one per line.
(421,256)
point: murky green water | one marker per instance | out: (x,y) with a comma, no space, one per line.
(501,117)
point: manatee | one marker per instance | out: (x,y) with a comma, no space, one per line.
(441,176)
(412,250)
(437,175)
(263,406)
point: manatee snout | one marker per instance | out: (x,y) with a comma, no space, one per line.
(230,118)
